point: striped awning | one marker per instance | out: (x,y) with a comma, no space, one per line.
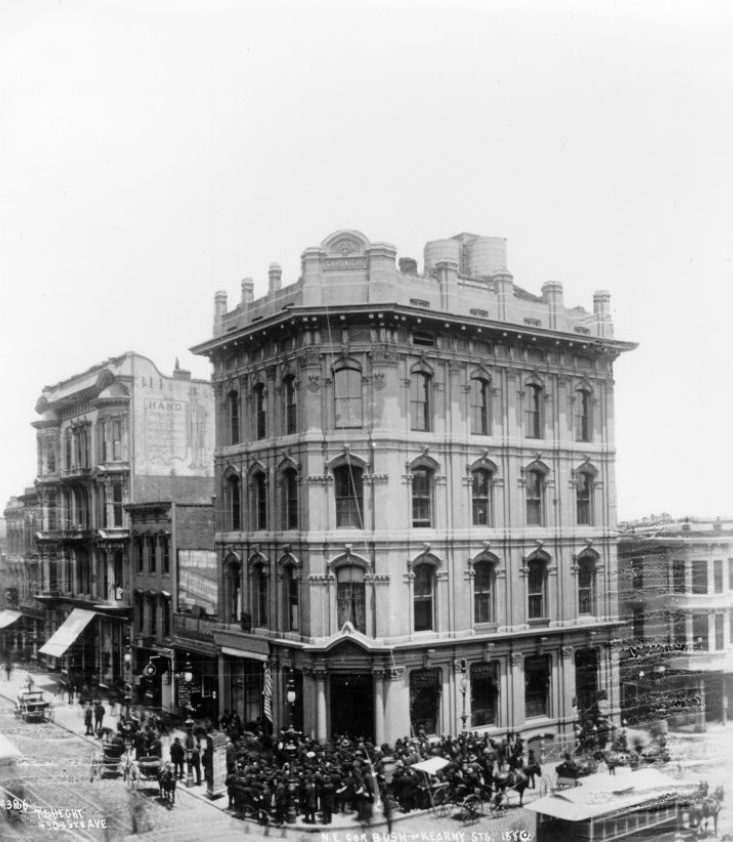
(67,632)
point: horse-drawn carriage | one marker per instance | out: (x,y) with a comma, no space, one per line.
(152,769)
(112,761)
(32,706)
(476,794)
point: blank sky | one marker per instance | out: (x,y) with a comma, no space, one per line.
(154,152)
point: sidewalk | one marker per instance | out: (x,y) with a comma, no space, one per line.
(70,717)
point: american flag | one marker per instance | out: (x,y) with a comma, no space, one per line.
(267,693)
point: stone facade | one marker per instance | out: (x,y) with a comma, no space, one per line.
(415,495)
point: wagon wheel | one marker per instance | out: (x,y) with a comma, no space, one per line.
(471,808)
(499,804)
(548,784)
(441,802)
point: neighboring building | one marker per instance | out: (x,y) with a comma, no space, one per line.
(416,495)
(174,565)
(676,595)
(118,434)
(21,618)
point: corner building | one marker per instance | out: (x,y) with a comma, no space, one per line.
(416,496)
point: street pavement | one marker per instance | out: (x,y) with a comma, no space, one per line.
(708,755)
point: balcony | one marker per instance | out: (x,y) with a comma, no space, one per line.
(197,628)
(76,472)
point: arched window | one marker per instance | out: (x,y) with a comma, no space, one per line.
(423,596)
(351,597)
(584,498)
(420,401)
(291,597)
(535,497)
(233,592)
(537,589)
(259,409)
(290,404)
(259,501)
(483,592)
(586,585)
(289,493)
(259,595)
(534,415)
(233,497)
(422,481)
(481,497)
(347,395)
(233,417)
(349,489)
(479,417)
(583,415)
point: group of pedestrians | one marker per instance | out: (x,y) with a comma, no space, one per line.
(291,775)
(94,714)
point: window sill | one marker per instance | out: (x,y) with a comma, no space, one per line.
(486,627)
(539,623)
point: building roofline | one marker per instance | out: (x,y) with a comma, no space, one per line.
(491,326)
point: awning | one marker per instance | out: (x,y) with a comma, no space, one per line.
(8,617)
(68,632)
(432,765)
(241,653)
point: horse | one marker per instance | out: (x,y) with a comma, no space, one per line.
(167,784)
(511,779)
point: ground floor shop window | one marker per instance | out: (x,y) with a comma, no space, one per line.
(425,701)
(247,690)
(484,694)
(537,686)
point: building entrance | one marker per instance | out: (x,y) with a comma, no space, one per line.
(352,705)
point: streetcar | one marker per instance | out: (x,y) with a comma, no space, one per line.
(629,806)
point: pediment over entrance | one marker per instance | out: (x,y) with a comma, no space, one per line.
(345,650)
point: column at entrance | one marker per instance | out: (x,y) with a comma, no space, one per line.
(321,726)
(568,710)
(378,707)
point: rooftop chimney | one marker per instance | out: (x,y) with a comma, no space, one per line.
(275,274)
(408,265)
(248,291)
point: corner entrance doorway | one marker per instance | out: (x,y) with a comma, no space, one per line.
(352,705)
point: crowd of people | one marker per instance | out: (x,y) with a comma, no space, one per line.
(288,776)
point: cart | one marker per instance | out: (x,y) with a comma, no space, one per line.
(148,770)
(32,706)
(110,762)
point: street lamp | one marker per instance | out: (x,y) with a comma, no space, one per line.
(464,687)
(290,695)
(291,748)
(190,740)
(128,687)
